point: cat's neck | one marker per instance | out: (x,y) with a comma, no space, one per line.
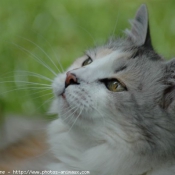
(105,147)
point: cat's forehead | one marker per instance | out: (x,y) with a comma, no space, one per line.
(118,54)
(99,52)
(96,54)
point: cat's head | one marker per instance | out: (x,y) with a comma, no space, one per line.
(123,82)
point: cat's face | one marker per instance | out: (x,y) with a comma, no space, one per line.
(124,82)
(111,81)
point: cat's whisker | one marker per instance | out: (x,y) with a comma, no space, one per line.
(25,88)
(39,91)
(42,51)
(21,71)
(34,74)
(36,58)
(43,95)
(59,62)
(33,83)
(47,101)
(68,109)
(31,75)
(76,119)
(70,114)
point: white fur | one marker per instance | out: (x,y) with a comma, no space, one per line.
(94,142)
(99,151)
(99,130)
(88,136)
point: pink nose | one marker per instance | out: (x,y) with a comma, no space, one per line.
(70,79)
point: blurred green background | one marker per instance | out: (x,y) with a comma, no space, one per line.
(62,30)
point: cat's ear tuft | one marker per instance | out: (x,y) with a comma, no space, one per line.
(168,100)
(140,33)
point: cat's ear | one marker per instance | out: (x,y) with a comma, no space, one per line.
(168,100)
(140,33)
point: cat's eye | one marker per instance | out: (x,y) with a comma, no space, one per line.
(87,61)
(114,85)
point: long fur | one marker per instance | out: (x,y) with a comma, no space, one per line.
(106,132)
(117,133)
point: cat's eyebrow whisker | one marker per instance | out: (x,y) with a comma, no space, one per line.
(36,58)
(42,51)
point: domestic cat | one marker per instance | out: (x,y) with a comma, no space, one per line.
(116,109)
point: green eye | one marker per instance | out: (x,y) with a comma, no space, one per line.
(87,61)
(114,86)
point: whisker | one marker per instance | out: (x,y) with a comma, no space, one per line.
(67,112)
(24,88)
(27,73)
(53,52)
(35,75)
(38,92)
(38,76)
(71,114)
(47,101)
(43,95)
(42,51)
(36,58)
(33,83)
(76,119)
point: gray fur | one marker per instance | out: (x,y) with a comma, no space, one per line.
(140,119)
(151,101)
(148,106)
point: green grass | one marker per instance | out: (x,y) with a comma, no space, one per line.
(64,29)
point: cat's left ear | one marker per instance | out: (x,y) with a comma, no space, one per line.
(140,33)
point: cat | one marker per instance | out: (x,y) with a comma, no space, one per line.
(116,109)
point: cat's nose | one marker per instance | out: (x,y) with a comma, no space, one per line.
(70,79)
